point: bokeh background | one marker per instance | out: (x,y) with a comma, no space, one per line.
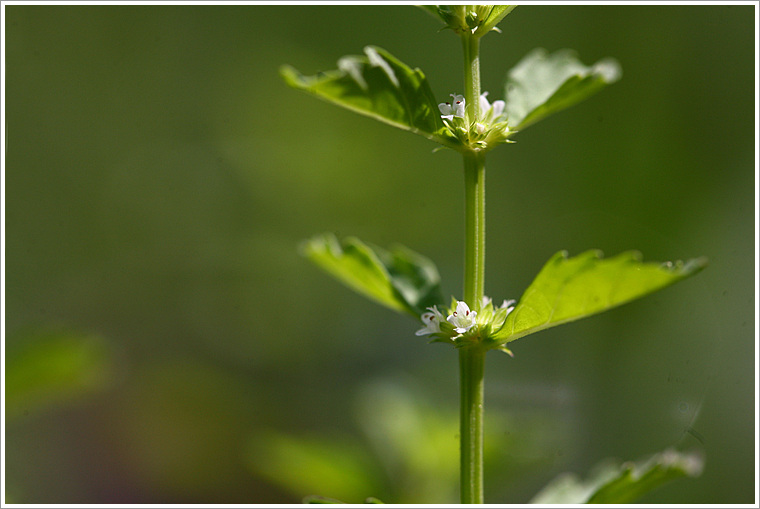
(166,343)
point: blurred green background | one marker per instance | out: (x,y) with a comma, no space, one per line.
(166,343)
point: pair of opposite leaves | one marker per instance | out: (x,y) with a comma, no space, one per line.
(566,289)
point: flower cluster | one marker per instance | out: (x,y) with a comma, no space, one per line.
(485,132)
(465,326)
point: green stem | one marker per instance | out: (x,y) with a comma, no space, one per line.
(471,48)
(471,368)
(472,359)
(475,227)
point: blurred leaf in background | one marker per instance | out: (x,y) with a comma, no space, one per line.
(406,452)
(46,370)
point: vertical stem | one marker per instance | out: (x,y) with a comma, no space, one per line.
(471,48)
(472,359)
(471,368)
(475,227)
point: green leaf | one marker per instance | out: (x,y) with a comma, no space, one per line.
(313,464)
(542,84)
(48,369)
(399,279)
(498,13)
(612,483)
(567,289)
(377,85)
(433,10)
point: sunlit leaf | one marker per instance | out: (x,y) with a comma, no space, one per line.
(52,368)
(310,464)
(567,289)
(613,483)
(542,84)
(399,279)
(377,85)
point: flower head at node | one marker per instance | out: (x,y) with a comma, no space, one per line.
(489,129)
(464,326)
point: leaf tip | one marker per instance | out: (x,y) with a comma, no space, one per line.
(318,244)
(291,76)
(689,267)
(609,69)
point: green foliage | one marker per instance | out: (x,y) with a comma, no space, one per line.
(53,368)
(377,85)
(313,464)
(399,279)
(498,13)
(567,289)
(407,450)
(475,20)
(613,483)
(542,84)
(380,86)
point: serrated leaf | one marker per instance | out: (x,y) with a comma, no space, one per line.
(542,84)
(613,483)
(399,279)
(377,85)
(567,289)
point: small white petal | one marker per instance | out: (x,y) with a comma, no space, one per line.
(484,104)
(498,108)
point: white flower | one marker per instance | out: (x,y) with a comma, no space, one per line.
(462,319)
(449,110)
(488,111)
(432,322)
